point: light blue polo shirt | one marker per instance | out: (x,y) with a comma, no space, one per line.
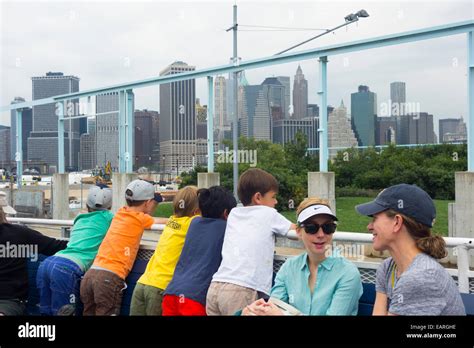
(337,290)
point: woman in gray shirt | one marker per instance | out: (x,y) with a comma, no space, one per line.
(411,281)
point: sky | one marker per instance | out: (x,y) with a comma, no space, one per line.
(109,42)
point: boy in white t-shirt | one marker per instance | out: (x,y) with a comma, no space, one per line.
(245,273)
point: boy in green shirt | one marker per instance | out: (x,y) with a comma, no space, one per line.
(59,276)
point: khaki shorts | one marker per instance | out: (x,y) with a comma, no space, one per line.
(227,298)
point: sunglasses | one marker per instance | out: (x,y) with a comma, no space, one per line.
(328,228)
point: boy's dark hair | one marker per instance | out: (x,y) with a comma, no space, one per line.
(255,180)
(214,201)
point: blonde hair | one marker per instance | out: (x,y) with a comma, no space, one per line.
(186,203)
(430,244)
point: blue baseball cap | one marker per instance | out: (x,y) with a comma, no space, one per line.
(409,200)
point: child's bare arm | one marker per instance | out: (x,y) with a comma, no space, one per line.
(161,221)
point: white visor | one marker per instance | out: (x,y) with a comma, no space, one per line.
(313,210)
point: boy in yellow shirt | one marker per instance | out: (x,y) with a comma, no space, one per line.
(148,293)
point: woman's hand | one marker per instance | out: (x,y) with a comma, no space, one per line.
(261,308)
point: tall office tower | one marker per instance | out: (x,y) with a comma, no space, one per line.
(340,133)
(144,141)
(398,98)
(220,102)
(27,124)
(254,112)
(107,130)
(275,94)
(285,81)
(43,140)
(300,95)
(363,112)
(4,147)
(177,120)
(424,130)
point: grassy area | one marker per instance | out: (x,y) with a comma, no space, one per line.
(349,219)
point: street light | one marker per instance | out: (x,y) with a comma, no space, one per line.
(350,18)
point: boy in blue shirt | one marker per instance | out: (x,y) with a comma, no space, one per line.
(201,255)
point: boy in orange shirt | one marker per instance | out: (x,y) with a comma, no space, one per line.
(103,284)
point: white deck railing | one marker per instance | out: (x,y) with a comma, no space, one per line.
(462,246)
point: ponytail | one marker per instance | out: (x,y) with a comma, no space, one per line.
(435,246)
(430,244)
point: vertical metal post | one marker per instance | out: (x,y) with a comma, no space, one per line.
(60,111)
(210,126)
(463,268)
(121,123)
(236,116)
(470,97)
(129,133)
(19,148)
(323,119)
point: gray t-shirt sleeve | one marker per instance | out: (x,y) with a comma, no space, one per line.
(381,277)
(421,292)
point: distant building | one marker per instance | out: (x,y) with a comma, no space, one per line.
(276,95)
(285,81)
(285,130)
(452,130)
(27,126)
(300,95)
(254,112)
(144,145)
(397,97)
(4,147)
(386,130)
(364,113)
(43,141)
(178,119)
(340,133)
(107,130)
(88,154)
(405,129)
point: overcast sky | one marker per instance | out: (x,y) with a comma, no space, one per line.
(108,42)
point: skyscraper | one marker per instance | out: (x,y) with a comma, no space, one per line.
(43,140)
(107,130)
(275,94)
(221,111)
(144,143)
(178,119)
(285,81)
(254,112)
(4,146)
(27,124)
(398,98)
(363,113)
(300,95)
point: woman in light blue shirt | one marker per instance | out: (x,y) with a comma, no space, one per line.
(320,281)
